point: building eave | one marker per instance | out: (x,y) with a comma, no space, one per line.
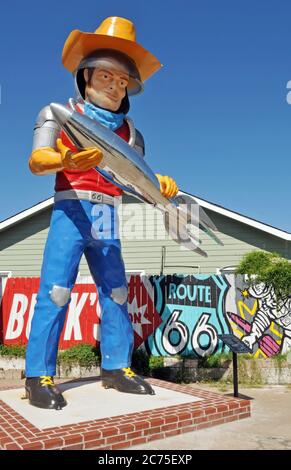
(21,216)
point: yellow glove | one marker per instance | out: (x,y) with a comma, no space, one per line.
(46,160)
(83,160)
(168,186)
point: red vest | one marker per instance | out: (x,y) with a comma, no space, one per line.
(90,180)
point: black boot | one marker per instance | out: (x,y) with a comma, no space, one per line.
(42,393)
(125,380)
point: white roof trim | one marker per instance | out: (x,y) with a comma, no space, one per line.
(205,204)
(26,213)
(242,218)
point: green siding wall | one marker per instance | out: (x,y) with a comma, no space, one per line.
(21,246)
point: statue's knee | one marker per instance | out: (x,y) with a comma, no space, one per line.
(119,295)
(60,295)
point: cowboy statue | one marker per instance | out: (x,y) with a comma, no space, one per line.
(108,66)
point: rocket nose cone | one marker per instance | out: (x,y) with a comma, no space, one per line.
(61,113)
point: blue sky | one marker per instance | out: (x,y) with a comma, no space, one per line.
(215,117)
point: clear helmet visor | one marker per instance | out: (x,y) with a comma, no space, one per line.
(111,59)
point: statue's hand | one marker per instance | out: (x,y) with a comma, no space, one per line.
(83,160)
(168,186)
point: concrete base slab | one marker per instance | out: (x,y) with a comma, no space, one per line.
(96,418)
(90,401)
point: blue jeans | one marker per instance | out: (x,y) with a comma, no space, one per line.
(79,227)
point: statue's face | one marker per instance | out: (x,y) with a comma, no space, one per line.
(106,87)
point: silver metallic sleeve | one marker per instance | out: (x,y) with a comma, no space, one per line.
(136,139)
(139,145)
(46,130)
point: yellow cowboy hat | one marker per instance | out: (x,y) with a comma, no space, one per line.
(114,33)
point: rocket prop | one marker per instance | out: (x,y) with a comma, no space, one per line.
(123,166)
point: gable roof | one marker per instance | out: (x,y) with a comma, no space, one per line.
(243,218)
(23,215)
(20,216)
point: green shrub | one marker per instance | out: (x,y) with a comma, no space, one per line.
(256,262)
(13,350)
(215,360)
(270,268)
(83,354)
(156,361)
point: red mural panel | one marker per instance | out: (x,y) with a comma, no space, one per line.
(141,308)
(83,315)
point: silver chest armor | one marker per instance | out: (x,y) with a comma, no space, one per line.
(46,131)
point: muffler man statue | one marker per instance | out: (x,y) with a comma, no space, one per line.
(108,67)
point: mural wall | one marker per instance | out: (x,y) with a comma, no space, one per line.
(191,309)
(171,314)
(256,320)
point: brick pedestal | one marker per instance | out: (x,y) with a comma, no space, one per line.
(124,430)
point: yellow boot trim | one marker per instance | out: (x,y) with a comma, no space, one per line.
(128,372)
(46,380)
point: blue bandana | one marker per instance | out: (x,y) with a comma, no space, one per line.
(109,119)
